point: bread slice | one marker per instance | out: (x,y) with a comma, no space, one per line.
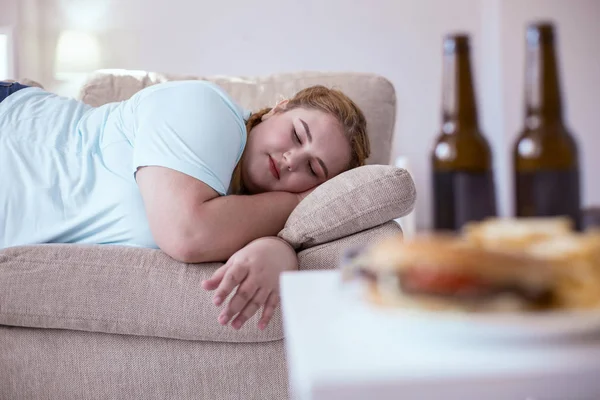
(515,233)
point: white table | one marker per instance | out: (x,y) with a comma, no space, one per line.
(336,350)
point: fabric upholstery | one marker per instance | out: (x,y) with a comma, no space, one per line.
(328,255)
(68,363)
(374,94)
(115,289)
(51,364)
(356,200)
(132,291)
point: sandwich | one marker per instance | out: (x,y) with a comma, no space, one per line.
(442,272)
(516,234)
(575,256)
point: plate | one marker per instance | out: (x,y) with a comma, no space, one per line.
(543,325)
(507,326)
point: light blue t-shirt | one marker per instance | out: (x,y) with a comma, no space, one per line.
(67,169)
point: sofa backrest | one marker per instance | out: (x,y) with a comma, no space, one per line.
(374,94)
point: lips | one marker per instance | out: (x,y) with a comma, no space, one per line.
(273,168)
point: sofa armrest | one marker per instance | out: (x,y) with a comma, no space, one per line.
(328,255)
(352,202)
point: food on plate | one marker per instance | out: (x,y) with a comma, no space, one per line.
(444,272)
(515,233)
(576,259)
(575,256)
(497,264)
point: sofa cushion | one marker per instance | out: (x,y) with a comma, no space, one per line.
(374,94)
(133,291)
(351,202)
(115,289)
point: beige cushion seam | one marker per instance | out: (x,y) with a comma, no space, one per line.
(67,317)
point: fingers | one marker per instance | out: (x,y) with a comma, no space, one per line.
(233,277)
(269,309)
(243,295)
(251,308)
(213,282)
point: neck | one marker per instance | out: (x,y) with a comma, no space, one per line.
(459,109)
(543,104)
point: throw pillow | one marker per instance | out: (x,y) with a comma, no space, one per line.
(353,201)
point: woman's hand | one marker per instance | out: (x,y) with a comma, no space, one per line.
(254,270)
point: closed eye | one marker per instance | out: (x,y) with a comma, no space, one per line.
(312,171)
(295,136)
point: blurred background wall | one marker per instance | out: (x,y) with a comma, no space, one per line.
(54,40)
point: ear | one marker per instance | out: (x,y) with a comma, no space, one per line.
(281,106)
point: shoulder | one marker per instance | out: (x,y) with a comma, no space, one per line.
(192,95)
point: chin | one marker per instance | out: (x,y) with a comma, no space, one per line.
(264,188)
(254,187)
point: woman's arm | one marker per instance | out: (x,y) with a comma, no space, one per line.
(192,223)
(231,222)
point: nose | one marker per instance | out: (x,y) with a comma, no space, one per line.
(291,160)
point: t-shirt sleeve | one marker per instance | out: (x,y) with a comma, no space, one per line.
(192,128)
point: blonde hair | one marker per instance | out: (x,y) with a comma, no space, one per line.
(330,101)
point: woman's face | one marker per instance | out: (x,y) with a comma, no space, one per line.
(293,151)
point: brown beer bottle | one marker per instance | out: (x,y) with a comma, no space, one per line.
(463,178)
(546,163)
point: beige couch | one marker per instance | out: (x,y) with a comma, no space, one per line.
(109,322)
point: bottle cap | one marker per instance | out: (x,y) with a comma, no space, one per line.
(540,32)
(456,43)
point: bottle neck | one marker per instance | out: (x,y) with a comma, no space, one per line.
(459,107)
(543,104)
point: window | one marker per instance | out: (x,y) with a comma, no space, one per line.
(6,59)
